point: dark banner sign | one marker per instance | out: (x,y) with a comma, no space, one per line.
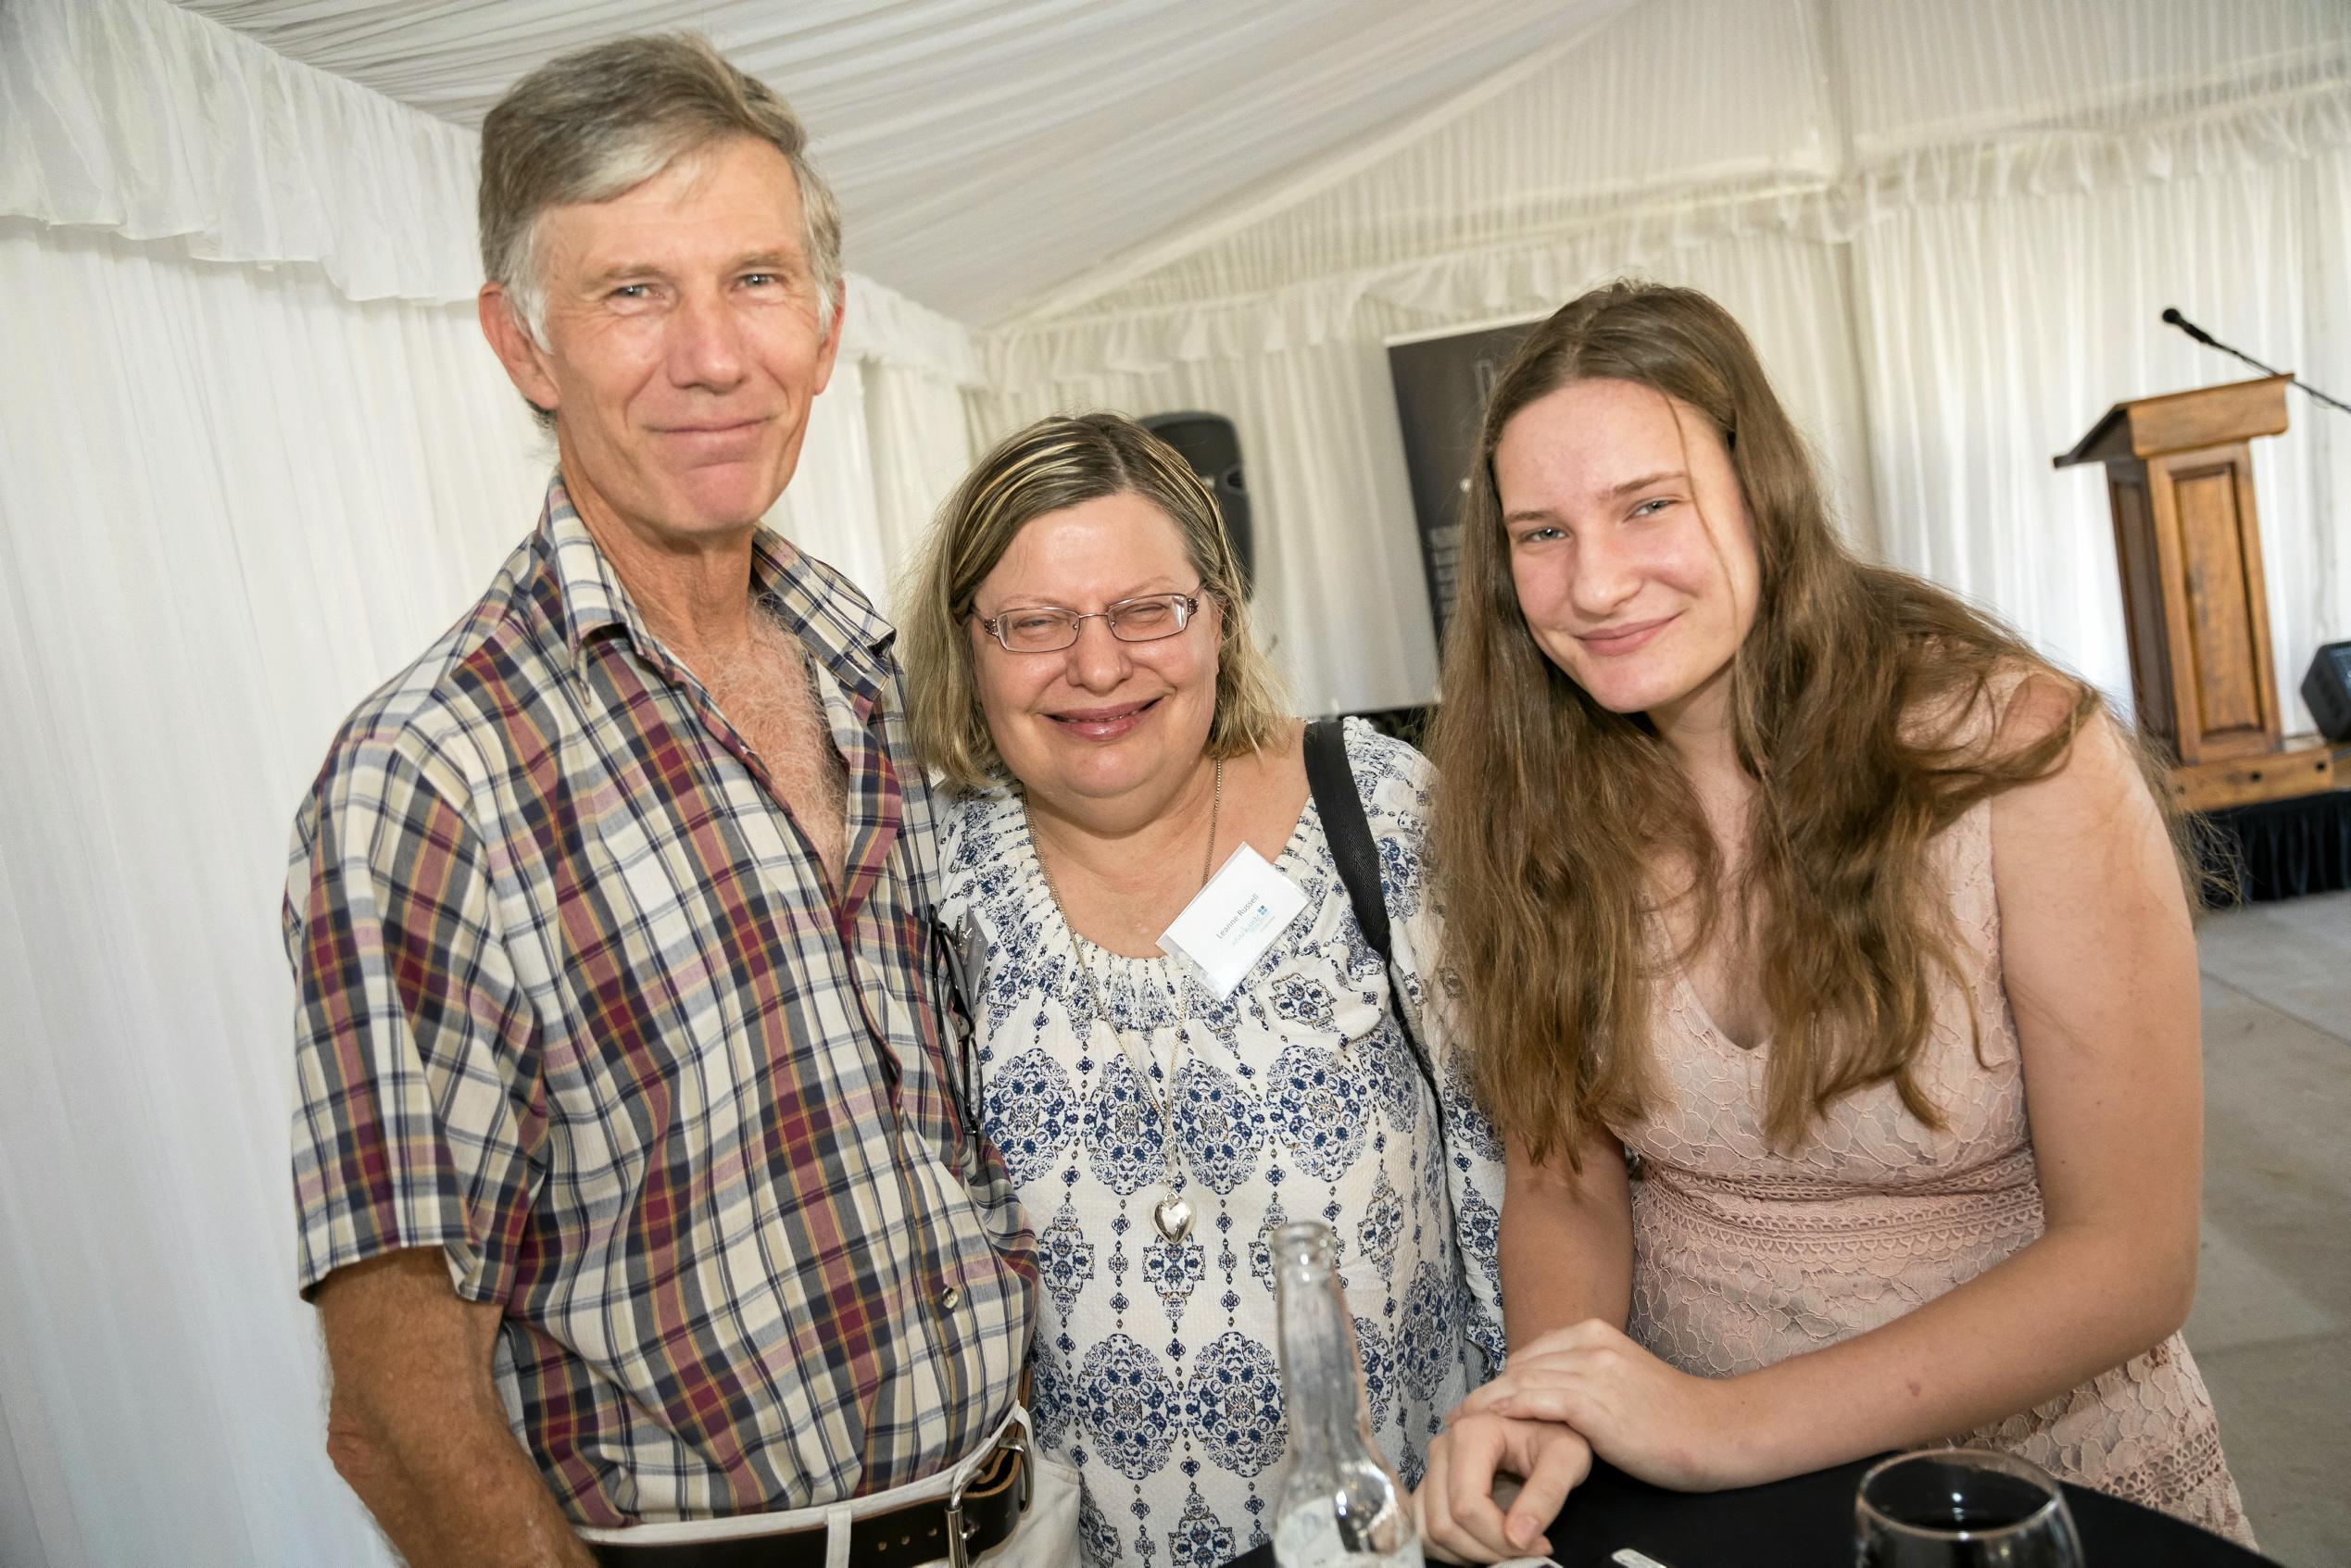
(1442,383)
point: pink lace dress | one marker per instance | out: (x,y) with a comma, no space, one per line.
(1743,1255)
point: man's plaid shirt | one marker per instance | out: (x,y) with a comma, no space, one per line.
(577,1009)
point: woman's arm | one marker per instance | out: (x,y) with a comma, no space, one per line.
(1567,1257)
(2099,964)
(1566,1240)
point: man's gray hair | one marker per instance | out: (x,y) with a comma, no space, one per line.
(588,126)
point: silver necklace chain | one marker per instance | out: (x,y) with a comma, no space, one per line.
(1172,1215)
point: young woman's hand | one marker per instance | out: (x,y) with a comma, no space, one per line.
(1461,1518)
(1644,1417)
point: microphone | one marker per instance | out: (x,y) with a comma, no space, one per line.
(2171,318)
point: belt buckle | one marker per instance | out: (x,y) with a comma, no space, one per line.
(959,1534)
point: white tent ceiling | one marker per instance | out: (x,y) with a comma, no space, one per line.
(986,151)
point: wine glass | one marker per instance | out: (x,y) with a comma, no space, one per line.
(1962,1507)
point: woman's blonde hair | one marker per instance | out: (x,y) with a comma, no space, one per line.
(1858,699)
(1054,464)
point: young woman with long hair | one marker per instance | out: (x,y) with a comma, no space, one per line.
(1779,887)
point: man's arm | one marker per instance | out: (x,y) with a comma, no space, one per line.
(415,1425)
(412,1142)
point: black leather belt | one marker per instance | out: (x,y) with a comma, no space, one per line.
(952,1530)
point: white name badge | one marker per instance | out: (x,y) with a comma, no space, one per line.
(1236,917)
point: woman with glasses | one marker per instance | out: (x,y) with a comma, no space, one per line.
(1083,678)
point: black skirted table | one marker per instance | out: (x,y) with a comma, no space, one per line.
(2283,848)
(1806,1522)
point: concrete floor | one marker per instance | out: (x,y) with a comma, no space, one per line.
(2272,1321)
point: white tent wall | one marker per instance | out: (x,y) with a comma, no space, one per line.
(234,500)
(947,126)
(1912,206)
(143,120)
(256,457)
(1675,106)
(1340,583)
(1996,331)
(20,1540)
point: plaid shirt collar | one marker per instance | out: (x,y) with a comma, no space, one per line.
(851,641)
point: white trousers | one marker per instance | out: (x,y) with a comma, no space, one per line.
(1045,1537)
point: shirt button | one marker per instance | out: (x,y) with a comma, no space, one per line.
(950,1299)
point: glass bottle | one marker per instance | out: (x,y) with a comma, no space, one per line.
(1340,1506)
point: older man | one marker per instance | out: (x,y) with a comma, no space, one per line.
(636,1196)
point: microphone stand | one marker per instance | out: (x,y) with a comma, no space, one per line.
(2171,317)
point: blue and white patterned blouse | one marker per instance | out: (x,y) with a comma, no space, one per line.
(1156,1370)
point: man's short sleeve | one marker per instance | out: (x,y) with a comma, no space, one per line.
(416,1070)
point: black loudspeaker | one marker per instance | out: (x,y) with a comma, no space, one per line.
(2326,690)
(1212,446)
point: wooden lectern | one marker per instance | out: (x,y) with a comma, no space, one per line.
(2188,539)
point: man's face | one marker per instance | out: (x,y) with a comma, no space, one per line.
(682,350)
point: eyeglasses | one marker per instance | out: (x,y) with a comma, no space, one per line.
(1048,629)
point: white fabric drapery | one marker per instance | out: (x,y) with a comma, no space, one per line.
(1907,203)
(233,501)
(137,118)
(914,468)
(1340,594)
(1978,319)
(985,151)
(1684,120)
(143,119)
(256,457)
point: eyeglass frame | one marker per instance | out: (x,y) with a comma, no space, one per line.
(1107,615)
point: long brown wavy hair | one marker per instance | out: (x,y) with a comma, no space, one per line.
(1858,701)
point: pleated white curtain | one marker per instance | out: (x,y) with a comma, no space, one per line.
(256,457)
(138,117)
(1677,121)
(1341,597)
(233,501)
(1949,229)
(20,1539)
(1995,333)
(1684,120)
(922,446)
(906,371)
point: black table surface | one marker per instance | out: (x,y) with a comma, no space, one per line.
(1806,1522)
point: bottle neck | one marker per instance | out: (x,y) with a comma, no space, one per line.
(1320,1371)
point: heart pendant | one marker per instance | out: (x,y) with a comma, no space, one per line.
(1173,1217)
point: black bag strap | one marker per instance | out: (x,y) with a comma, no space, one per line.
(1348,830)
(1332,782)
